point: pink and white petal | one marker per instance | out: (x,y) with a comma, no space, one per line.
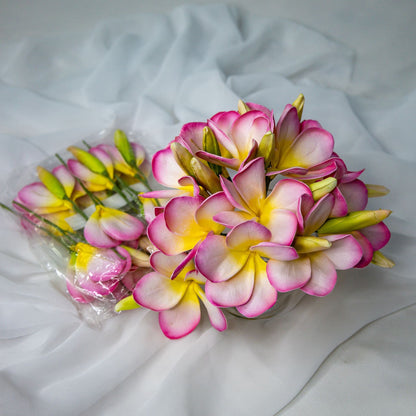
(264,295)
(196,277)
(120,225)
(36,195)
(355,193)
(185,264)
(319,171)
(233,196)
(251,185)
(188,182)
(345,251)
(247,234)
(223,138)
(96,289)
(158,292)
(252,153)
(168,193)
(167,241)
(282,225)
(193,134)
(216,316)
(165,169)
(139,153)
(131,278)
(293,171)
(106,265)
(235,291)
(224,120)
(307,124)
(232,218)
(216,261)
(323,276)
(96,236)
(275,251)
(289,275)
(287,129)
(311,147)
(351,176)
(219,160)
(77,294)
(286,194)
(340,207)
(180,215)
(318,214)
(67,180)
(378,235)
(268,113)
(95,182)
(366,248)
(250,125)
(183,318)
(209,208)
(164,264)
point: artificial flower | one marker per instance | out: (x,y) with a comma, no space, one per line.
(235,268)
(177,300)
(109,227)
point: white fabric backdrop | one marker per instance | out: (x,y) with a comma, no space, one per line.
(150,74)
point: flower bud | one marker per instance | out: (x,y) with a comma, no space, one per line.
(310,244)
(126,304)
(145,244)
(124,147)
(299,103)
(51,183)
(376,190)
(266,148)
(242,107)
(138,257)
(379,259)
(205,176)
(353,221)
(90,161)
(183,157)
(210,145)
(323,187)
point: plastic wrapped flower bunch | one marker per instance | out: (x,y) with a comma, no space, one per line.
(254,208)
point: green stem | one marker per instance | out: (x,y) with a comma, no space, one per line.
(22,217)
(46,221)
(76,208)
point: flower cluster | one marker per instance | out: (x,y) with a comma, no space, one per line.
(88,205)
(252,208)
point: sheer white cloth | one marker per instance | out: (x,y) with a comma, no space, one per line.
(149,75)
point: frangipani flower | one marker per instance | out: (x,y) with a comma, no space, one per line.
(97,271)
(235,268)
(303,150)
(38,198)
(239,136)
(314,272)
(94,168)
(178,300)
(186,221)
(276,211)
(119,163)
(168,173)
(108,227)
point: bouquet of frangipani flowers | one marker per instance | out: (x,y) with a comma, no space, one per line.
(252,208)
